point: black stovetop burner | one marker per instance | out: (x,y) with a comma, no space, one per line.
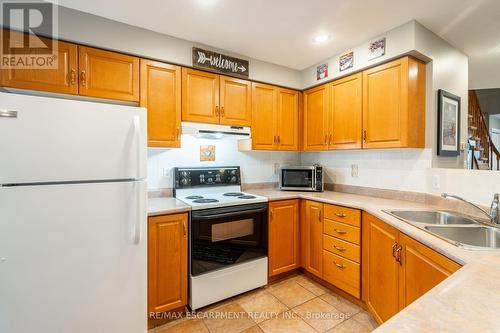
(207,200)
(233,194)
(193,197)
(246,196)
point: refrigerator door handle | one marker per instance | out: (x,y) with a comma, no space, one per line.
(138,139)
(137,233)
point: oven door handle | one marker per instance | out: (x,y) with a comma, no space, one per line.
(222,215)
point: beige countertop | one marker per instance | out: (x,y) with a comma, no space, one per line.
(166,205)
(468,301)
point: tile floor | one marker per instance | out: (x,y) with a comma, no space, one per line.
(295,304)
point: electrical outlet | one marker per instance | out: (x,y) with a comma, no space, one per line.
(436,182)
(277,167)
(354,171)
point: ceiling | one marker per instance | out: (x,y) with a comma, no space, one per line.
(282,31)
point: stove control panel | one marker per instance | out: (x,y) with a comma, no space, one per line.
(215,176)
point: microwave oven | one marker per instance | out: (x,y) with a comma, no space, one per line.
(301,178)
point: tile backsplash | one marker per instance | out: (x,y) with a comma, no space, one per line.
(256,166)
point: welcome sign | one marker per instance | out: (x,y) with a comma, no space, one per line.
(218,62)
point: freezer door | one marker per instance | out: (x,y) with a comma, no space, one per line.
(45,139)
(73,258)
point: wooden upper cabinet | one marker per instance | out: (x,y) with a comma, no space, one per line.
(161,95)
(106,74)
(315,124)
(264,115)
(394,105)
(200,96)
(235,101)
(380,269)
(167,262)
(63,79)
(313,245)
(283,236)
(345,114)
(422,269)
(287,121)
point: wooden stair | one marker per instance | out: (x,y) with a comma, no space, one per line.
(484,152)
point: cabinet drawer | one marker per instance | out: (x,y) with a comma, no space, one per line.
(342,273)
(343,214)
(341,248)
(342,231)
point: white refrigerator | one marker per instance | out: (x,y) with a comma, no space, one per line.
(72,216)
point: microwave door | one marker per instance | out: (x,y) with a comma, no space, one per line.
(297,179)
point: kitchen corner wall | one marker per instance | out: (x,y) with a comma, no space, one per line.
(256,166)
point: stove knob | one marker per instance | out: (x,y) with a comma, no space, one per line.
(217,178)
(184,181)
(233,172)
(210,180)
(233,179)
(202,179)
(184,174)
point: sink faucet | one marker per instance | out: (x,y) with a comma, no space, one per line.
(493,215)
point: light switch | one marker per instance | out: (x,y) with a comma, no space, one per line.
(354,171)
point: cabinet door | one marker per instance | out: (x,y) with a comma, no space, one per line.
(314,238)
(283,236)
(63,79)
(106,74)
(380,269)
(200,96)
(422,269)
(316,118)
(345,118)
(264,116)
(288,119)
(385,105)
(167,262)
(235,101)
(161,95)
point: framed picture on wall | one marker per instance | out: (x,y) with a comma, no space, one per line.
(448,124)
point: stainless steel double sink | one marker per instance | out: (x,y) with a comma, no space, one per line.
(460,230)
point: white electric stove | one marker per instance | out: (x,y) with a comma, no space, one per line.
(227,234)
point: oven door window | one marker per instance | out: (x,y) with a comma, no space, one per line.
(225,239)
(297,178)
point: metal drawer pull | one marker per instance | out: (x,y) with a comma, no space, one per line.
(340,266)
(340,215)
(342,232)
(338,248)
(8,114)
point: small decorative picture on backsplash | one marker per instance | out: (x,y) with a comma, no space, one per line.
(207,153)
(346,61)
(322,71)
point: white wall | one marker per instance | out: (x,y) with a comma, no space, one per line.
(399,41)
(88,29)
(256,166)
(484,71)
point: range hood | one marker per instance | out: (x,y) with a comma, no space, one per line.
(214,131)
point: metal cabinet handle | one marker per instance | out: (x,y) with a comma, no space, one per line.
(394,246)
(222,113)
(217,110)
(8,113)
(398,254)
(364,136)
(178,133)
(338,248)
(319,216)
(279,139)
(340,215)
(341,232)
(185,229)
(272,214)
(340,266)
(72,79)
(83,78)
(330,139)
(326,139)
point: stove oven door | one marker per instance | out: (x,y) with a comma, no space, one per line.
(221,237)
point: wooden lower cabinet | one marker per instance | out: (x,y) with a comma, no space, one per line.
(422,269)
(283,236)
(397,269)
(167,262)
(313,237)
